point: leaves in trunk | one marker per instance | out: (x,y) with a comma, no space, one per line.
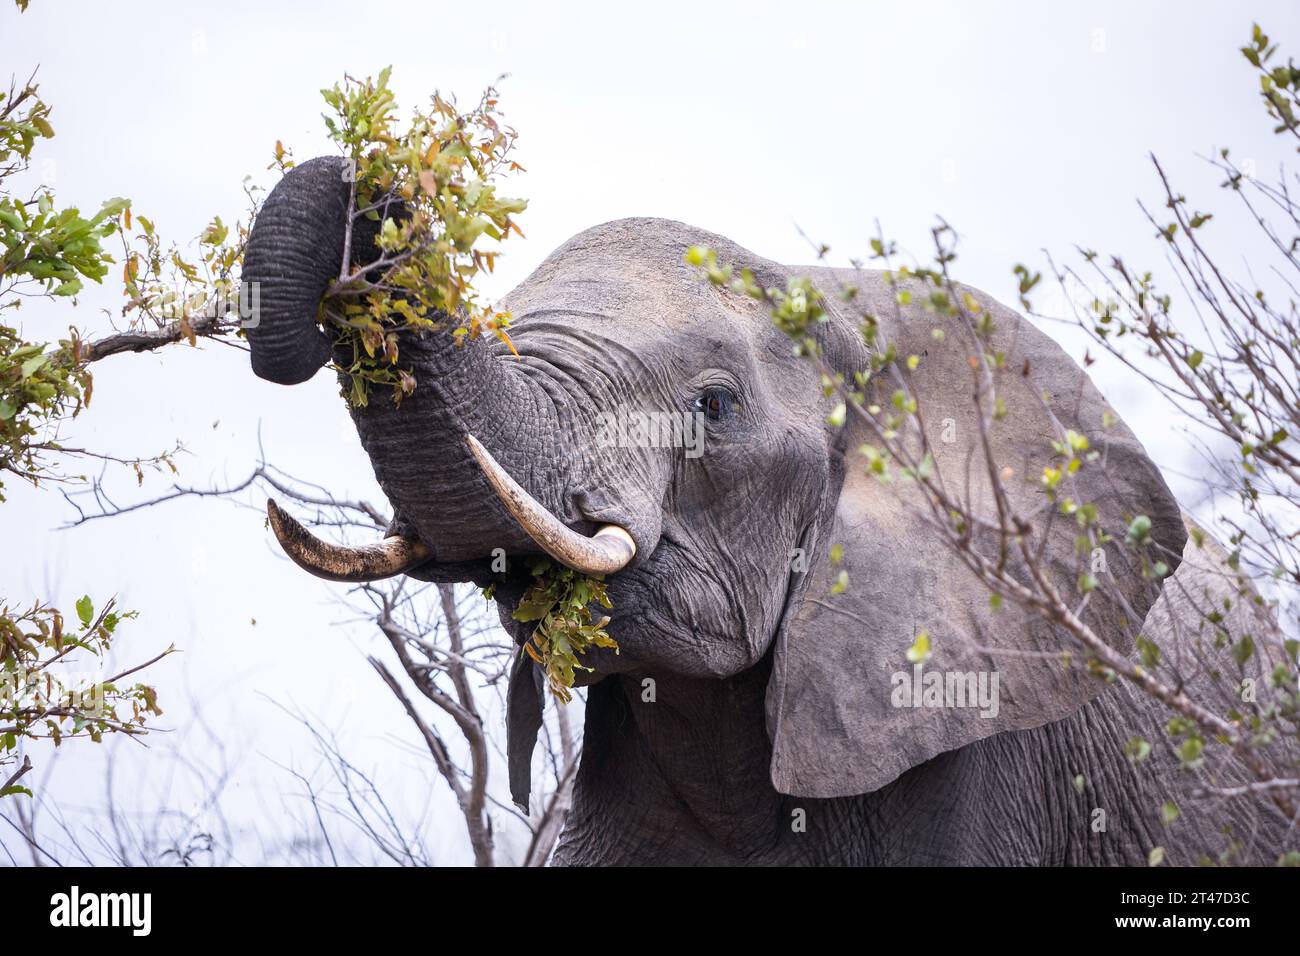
(431,188)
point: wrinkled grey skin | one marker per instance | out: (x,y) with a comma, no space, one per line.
(769,739)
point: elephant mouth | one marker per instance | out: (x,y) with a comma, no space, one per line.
(608,551)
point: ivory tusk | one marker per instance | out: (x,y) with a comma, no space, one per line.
(334,562)
(609,550)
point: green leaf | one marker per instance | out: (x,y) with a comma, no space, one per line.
(85,611)
(1243,649)
(1150,653)
(32,365)
(533,608)
(110,210)
(1192,749)
(1137,749)
(1139,530)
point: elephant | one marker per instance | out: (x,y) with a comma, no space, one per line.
(752,714)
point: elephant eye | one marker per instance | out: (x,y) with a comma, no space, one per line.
(716,402)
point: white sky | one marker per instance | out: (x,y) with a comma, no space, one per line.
(1026,125)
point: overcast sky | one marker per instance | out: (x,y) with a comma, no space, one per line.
(1026,125)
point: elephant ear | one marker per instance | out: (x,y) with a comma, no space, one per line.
(842,699)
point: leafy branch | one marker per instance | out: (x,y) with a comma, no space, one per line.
(48,252)
(429,190)
(40,699)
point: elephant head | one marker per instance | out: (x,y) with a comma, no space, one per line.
(702,536)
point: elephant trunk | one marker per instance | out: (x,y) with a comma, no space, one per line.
(421,457)
(294,250)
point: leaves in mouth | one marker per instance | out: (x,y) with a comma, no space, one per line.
(560,600)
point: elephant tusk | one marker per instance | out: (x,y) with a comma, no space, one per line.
(368,562)
(609,550)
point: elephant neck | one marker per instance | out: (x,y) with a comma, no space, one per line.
(675,770)
(681,777)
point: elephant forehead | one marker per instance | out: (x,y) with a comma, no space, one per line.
(641,292)
(656,243)
(642,307)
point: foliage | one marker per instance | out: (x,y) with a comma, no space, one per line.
(1279,85)
(560,601)
(40,699)
(48,252)
(35,387)
(431,187)
(165,289)
(51,250)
